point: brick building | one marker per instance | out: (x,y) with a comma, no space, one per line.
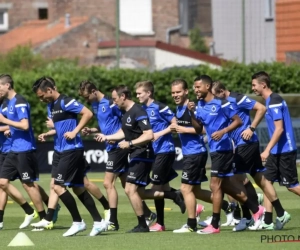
(44,25)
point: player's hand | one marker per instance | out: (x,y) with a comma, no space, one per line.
(247,134)
(191,106)
(180,129)
(217,135)
(100,137)
(69,135)
(7,133)
(155,136)
(264,156)
(42,137)
(173,127)
(111,142)
(86,131)
(49,123)
(124,144)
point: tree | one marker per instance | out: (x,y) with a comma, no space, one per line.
(197,41)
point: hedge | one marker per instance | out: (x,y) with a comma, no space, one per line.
(25,67)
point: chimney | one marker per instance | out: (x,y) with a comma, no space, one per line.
(67,20)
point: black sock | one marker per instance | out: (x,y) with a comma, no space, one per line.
(251,193)
(27,208)
(42,214)
(192,223)
(46,202)
(49,215)
(170,195)
(268,218)
(215,220)
(225,205)
(246,212)
(90,205)
(104,202)
(278,208)
(252,205)
(237,212)
(113,215)
(71,205)
(1,215)
(142,221)
(147,211)
(159,205)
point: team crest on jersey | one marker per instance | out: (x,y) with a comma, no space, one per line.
(11,108)
(144,121)
(152,113)
(128,119)
(103,109)
(213,108)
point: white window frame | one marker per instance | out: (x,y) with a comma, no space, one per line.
(5,25)
(269,10)
(129,18)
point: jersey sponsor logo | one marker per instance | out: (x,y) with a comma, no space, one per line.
(144,121)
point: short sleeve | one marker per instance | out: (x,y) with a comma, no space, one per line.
(142,120)
(165,112)
(229,108)
(71,105)
(245,102)
(22,109)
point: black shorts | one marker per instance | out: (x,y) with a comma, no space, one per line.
(247,159)
(221,164)
(70,168)
(55,161)
(2,158)
(193,171)
(21,165)
(117,161)
(282,168)
(162,169)
(138,172)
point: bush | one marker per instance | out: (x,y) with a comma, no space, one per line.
(26,67)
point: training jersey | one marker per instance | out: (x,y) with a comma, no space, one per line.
(277,109)
(160,117)
(244,105)
(216,115)
(109,118)
(64,113)
(190,143)
(134,122)
(22,140)
(5,142)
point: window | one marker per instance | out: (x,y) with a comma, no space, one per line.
(136,17)
(3,20)
(187,15)
(269,10)
(43,14)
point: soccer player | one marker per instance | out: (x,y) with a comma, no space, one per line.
(247,155)
(194,159)
(21,159)
(281,152)
(109,120)
(137,132)
(160,117)
(70,160)
(218,117)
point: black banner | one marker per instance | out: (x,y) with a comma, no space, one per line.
(95,154)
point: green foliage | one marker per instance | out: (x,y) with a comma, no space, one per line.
(26,67)
(197,41)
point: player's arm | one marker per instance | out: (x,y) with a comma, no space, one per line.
(116,137)
(23,124)
(166,130)
(197,125)
(4,128)
(276,135)
(144,138)
(86,116)
(259,114)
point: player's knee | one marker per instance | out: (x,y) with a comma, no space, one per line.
(185,189)
(129,190)
(3,184)
(108,184)
(215,186)
(28,186)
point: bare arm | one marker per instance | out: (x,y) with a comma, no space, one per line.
(276,135)
(23,124)
(116,137)
(4,128)
(166,130)
(86,116)
(260,112)
(144,138)
(198,126)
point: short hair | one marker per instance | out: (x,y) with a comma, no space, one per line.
(218,86)
(180,81)
(87,86)
(147,85)
(206,79)
(6,78)
(122,89)
(262,76)
(43,83)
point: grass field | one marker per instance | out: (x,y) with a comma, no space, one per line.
(227,239)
